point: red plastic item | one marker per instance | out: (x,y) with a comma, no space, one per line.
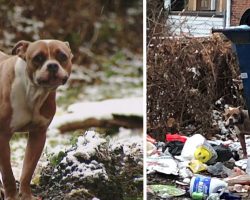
(175,137)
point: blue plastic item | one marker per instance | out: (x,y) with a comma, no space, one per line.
(240,36)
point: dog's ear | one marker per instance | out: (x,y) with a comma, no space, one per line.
(20,48)
(67,44)
(240,108)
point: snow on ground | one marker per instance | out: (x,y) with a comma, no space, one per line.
(99,110)
(131,141)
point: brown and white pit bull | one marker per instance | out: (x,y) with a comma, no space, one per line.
(28,80)
(239,120)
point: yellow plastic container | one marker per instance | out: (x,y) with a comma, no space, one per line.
(203,154)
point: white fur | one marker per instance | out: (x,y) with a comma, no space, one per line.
(26,99)
(47,41)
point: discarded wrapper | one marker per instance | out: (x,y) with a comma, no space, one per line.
(166,191)
(163,164)
(197,166)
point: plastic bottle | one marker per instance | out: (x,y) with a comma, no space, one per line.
(206,185)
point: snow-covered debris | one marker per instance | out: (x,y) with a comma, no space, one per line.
(103,166)
(124,140)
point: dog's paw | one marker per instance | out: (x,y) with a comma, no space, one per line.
(12,198)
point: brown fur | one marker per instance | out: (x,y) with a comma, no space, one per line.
(239,118)
(40,113)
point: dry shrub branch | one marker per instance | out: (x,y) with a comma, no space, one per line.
(185,76)
(98,26)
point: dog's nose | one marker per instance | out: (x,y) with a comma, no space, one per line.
(52,67)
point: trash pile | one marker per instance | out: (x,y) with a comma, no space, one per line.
(197,168)
(95,168)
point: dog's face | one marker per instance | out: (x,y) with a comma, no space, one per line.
(232,116)
(48,61)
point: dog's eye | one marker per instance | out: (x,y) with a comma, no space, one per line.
(235,115)
(39,58)
(62,57)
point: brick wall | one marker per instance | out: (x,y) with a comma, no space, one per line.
(238,8)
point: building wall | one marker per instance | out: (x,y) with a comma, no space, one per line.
(238,8)
(194,26)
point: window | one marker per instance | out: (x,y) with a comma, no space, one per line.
(178,5)
(206,5)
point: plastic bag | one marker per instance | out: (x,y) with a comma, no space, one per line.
(197,147)
(197,166)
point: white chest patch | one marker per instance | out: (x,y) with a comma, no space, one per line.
(26,99)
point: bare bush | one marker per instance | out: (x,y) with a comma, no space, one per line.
(156,19)
(185,76)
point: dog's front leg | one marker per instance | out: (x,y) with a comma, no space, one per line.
(9,182)
(33,152)
(241,137)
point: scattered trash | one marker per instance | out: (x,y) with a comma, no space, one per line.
(174,147)
(197,195)
(197,147)
(185,182)
(219,169)
(241,163)
(163,164)
(185,172)
(185,156)
(151,148)
(230,196)
(197,166)
(150,139)
(166,191)
(248,166)
(241,179)
(214,196)
(223,153)
(175,137)
(205,185)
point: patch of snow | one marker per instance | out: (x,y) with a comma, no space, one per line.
(79,160)
(86,147)
(132,143)
(194,71)
(100,110)
(219,101)
(222,127)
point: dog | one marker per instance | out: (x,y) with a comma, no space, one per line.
(28,82)
(238,118)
